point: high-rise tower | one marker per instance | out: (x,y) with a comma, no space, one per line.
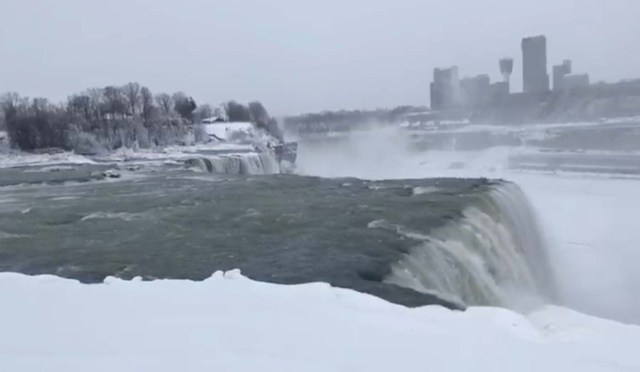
(445,89)
(534,65)
(506,69)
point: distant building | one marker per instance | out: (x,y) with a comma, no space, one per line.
(506,69)
(559,73)
(573,96)
(475,91)
(534,65)
(445,89)
(573,82)
(499,91)
(564,81)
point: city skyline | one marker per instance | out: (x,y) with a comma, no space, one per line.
(452,90)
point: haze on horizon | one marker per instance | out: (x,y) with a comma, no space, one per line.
(297,56)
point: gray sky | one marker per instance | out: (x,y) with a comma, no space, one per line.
(298,56)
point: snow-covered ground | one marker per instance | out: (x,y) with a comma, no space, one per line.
(16,159)
(225,130)
(230,323)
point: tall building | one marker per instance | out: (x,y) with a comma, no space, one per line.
(559,73)
(506,69)
(534,65)
(475,91)
(564,81)
(573,82)
(445,89)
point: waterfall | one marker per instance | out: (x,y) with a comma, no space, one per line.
(242,164)
(494,255)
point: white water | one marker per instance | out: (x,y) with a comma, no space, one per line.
(237,164)
(490,256)
(109,215)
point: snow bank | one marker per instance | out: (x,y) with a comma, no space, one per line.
(231,323)
(172,152)
(17,158)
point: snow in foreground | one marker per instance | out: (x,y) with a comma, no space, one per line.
(231,323)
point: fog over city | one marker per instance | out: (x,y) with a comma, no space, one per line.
(301,56)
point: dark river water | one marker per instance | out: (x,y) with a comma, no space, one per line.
(174,220)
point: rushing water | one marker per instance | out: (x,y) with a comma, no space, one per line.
(455,242)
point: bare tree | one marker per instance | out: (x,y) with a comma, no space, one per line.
(165,102)
(114,101)
(40,105)
(34,124)
(9,104)
(95,102)
(202,112)
(237,112)
(184,105)
(259,114)
(146,98)
(178,96)
(80,104)
(134,99)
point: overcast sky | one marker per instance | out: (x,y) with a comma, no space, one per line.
(296,55)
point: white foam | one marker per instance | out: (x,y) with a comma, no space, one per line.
(111,215)
(488,257)
(420,190)
(247,163)
(6,235)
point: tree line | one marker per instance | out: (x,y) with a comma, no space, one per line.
(104,119)
(346,120)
